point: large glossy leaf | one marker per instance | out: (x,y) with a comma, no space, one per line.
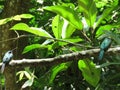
(57,24)
(89,71)
(33,30)
(66,12)
(55,70)
(89,10)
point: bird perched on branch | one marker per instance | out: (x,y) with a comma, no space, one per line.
(104,47)
(7,58)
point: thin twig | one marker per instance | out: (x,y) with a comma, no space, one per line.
(22,36)
(84,34)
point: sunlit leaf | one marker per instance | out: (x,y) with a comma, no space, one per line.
(66,12)
(19,17)
(4,21)
(27,75)
(21,76)
(16,18)
(28,83)
(57,24)
(26,16)
(89,10)
(89,71)
(33,30)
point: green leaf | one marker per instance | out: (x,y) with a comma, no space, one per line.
(28,83)
(68,13)
(33,30)
(4,21)
(27,75)
(59,68)
(21,74)
(32,47)
(57,24)
(89,71)
(16,17)
(26,16)
(105,14)
(89,10)
(101,29)
(67,29)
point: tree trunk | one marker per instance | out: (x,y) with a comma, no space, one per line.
(11,8)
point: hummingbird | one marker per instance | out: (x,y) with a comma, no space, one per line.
(6,59)
(104,47)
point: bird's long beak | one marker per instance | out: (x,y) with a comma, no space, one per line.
(14,49)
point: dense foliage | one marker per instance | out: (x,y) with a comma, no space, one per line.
(65,26)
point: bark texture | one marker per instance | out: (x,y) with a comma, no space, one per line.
(11,8)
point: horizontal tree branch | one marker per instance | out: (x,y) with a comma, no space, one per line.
(62,58)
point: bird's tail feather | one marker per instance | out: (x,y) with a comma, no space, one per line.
(101,55)
(3,67)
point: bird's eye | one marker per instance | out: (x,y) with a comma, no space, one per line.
(10,52)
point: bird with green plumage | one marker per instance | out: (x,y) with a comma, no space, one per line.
(104,47)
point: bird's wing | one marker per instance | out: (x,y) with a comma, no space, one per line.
(3,67)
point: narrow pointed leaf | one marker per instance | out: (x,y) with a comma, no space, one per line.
(21,76)
(27,75)
(28,83)
(25,16)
